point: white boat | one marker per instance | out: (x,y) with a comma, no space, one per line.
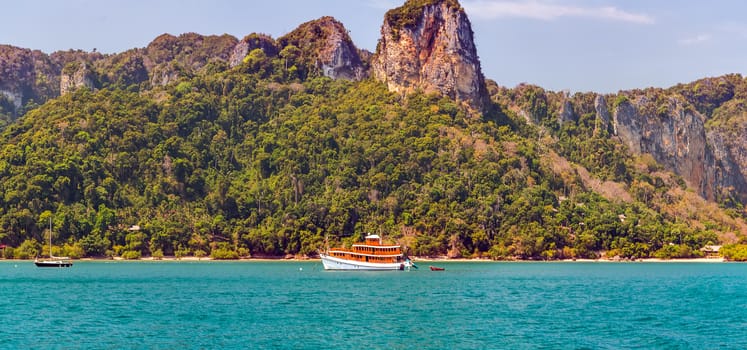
(53,261)
(371,255)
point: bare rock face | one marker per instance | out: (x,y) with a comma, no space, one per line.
(75,75)
(726,134)
(326,47)
(340,59)
(566,113)
(674,134)
(16,73)
(15,98)
(249,43)
(28,75)
(428,45)
(728,172)
(169,57)
(602,115)
(628,126)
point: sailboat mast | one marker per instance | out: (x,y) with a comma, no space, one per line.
(50,237)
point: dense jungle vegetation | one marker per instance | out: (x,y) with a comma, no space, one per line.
(266,159)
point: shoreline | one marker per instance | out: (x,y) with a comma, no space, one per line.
(602,260)
(416,259)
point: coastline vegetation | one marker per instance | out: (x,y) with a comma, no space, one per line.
(734,252)
(264,159)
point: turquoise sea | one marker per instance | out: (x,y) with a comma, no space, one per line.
(297,305)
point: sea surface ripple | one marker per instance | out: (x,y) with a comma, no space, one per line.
(298,305)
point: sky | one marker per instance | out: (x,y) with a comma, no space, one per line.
(575,45)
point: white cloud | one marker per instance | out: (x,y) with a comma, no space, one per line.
(542,10)
(734,28)
(695,40)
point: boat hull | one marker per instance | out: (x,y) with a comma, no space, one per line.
(332,263)
(58,263)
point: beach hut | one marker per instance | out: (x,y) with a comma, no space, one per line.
(711,251)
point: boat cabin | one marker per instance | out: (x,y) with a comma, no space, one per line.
(373,240)
(372,250)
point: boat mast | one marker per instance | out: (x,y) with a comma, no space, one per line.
(50,237)
(326,243)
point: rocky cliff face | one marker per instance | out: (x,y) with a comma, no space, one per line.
(169,57)
(695,130)
(672,132)
(16,73)
(429,45)
(566,113)
(603,116)
(249,43)
(33,75)
(728,169)
(26,75)
(325,47)
(74,76)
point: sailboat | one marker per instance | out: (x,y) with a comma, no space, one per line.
(53,261)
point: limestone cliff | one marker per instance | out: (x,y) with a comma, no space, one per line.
(428,45)
(75,75)
(672,132)
(603,117)
(728,168)
(16,73)
(696,130)
(169,57)
(249,43)
(26,75)
(566,113)
(324,47)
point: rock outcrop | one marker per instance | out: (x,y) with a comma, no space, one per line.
(249,43)
(696,130)
(672,132)
(16,72)
(668,125)
(320,47)
(169,57)
(728,169)
(566,113)
(75,75)
(428,45)
(603,117)
(14,98)
(25,75)
(325,47)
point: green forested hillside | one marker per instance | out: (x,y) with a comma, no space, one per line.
(255,161)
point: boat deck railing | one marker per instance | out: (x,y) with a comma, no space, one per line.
(369,258)
(374,252)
